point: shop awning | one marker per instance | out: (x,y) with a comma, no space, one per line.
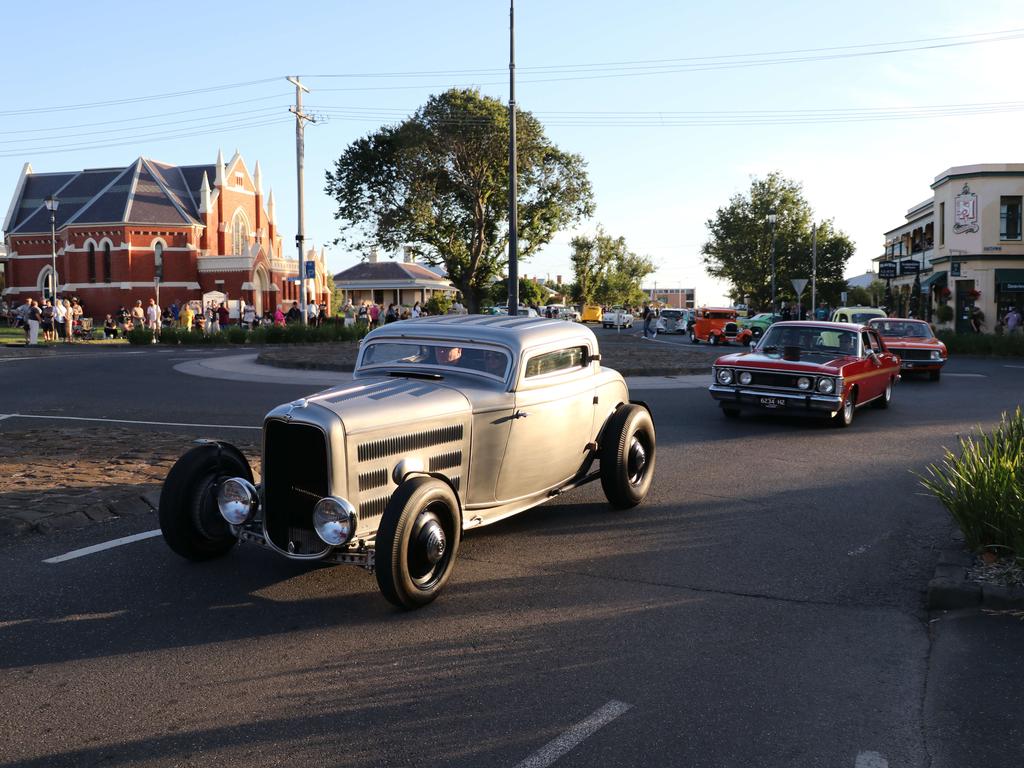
(934,279)
(1010,280)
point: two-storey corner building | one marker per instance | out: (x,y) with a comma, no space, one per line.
(966,240)
(122,232)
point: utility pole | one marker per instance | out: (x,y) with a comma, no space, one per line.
(814,269)
(513,210)
(300,121)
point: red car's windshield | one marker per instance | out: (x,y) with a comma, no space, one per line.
(908,329)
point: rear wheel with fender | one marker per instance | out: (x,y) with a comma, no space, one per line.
(417,542)
(189,519)
(627,456)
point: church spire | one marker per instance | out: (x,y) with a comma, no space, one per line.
(218,180)
(204,195)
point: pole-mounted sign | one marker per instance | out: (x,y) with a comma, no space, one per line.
(886,270)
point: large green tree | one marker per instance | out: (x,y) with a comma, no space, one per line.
(530,292)
(606,271)
(739,246)
(439,181)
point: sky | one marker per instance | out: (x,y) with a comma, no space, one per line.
(675,106)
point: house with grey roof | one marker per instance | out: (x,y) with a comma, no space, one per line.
(391,282)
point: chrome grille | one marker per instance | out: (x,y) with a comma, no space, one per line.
(416,441)
(914,354)
(294,479)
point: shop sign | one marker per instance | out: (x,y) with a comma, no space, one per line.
(910,267)
(954,269)
(1013,287)
(886,270)
(989,248)
(966,212)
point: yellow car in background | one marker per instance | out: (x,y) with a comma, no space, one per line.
(591,313)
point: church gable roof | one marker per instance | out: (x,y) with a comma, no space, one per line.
(151,202)
(38,186)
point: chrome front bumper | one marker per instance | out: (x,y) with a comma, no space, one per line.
(795,403)
(921,365)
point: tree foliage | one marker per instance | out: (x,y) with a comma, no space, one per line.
(606,271)
(439,181)
(530,292)
(739,246)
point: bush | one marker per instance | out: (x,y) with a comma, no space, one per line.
(983,486)
(236,334)
(944,313)
(140,336)
(1005,345)
(169,336)
(439,304)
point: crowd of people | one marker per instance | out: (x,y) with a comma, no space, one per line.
(57,319)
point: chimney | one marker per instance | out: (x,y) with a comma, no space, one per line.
(372,258)
(559,278)
(410,255)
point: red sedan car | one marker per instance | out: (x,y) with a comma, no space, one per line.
(808,369)
(915,344)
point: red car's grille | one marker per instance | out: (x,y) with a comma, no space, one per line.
(914,354)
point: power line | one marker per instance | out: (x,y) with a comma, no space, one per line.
(137,99)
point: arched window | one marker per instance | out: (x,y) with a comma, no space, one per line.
(239,234)
(106,262)
(158,261)
(92,263)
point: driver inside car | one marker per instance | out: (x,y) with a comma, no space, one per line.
(448,355)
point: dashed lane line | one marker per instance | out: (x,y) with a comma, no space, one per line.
(124,421)
(573,737)
(75,553)
(68,356)
(968,375)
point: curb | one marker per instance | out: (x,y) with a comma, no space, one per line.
(949,588)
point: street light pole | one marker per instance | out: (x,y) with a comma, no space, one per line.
(513,211)
(52,203)
(771,222)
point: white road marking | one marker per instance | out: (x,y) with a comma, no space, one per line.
(65,357)
(553,750)
(968,375)
(870,760)
(100,547)
(124,421)
(1013,366)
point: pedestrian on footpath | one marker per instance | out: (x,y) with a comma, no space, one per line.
(647,315)
(35,316)
(153,317)
(1012,320)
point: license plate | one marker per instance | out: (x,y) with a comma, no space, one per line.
(773,402)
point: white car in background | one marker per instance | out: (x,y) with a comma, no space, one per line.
(617,317)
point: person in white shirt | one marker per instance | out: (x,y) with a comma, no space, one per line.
(153,317)
(311,312)
(249,316)
(416,311)
(60,316)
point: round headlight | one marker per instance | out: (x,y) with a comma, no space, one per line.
(826,386)
(334,520)
(745,377)
(936,355)
(803,383)
(724,376)
(237,500)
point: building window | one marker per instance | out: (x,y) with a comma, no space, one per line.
(106,262)
(942,223)
(1009,218)
(239,180)
(92,263)
(239,234)
(158,262)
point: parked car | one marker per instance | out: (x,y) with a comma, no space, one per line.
(804,368)
(436,435)
(674,320)
(591,313)
(561,312)
(858,315)
(759,323)
(617,317)
(718,325)
(914,343)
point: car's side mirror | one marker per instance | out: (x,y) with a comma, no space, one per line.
(874,359)
(753,345)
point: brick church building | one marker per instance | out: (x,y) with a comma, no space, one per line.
(193,229)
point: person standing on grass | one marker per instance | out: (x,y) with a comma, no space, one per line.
(153,317)
(59,318)
(186,316)
(35,316)
(249,316)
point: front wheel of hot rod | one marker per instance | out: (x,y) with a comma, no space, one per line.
(189,518)
(627,456)
(417,542)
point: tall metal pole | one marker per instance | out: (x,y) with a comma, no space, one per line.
(53,256)
(814,270)
(771,221)
(513,210)
(300,238)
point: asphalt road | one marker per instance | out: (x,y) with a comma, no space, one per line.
(764,607)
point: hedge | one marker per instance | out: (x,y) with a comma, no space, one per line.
(264,334)
(1002,345)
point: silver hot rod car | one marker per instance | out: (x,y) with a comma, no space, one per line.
(450,423)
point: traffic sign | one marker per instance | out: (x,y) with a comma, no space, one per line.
(799,283)
(311,270)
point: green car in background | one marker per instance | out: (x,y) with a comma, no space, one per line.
(759,323)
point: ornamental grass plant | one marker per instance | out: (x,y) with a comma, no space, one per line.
(983,487)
